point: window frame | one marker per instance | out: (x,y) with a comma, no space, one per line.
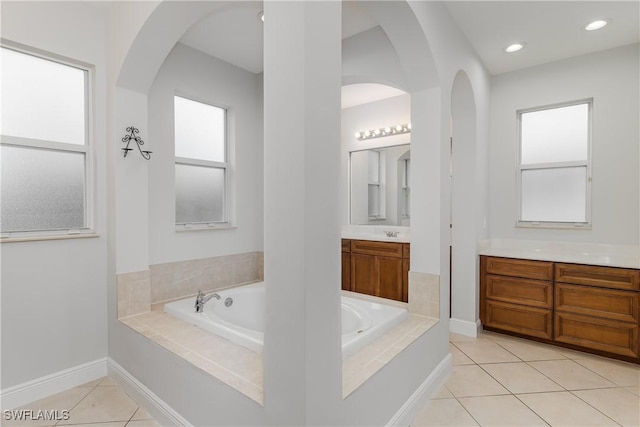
(87,149)
(225,166)
(555,165)
(379,186)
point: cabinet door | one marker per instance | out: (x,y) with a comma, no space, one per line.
(405,279)
(605,277)
(540,270)
(599,334)
(346,271)
(363,274)
(389,281)
(533,321)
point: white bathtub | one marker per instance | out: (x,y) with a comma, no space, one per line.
(242,321)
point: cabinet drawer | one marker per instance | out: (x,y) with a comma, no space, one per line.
(346,245)
(531,321)
(370,247)
(540,270)
(536,293)
(605,277)
(590,301)
(598,334)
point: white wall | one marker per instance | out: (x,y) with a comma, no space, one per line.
(611,78)
(369,57)
(373,115)
(192,74)
(54,292)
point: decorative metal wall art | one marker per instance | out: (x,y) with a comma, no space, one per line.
(132,136)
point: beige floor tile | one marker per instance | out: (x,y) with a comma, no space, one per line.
(443,412)
(458,357)
(501,411)
(621,373)
(103,404)
(442,393)
(529,351)
(571,375)
(455,338)
(142,423)
(520,378)
(485,351)
(93,383)
(141,414)
(117,424)
(471,380)
(565,409)
(616,403)
(634,390)
(64,401)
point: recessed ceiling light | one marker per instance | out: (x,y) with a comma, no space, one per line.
(596,25)
(514,47)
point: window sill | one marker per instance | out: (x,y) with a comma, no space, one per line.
(554,225)
(17,239)
(205,227)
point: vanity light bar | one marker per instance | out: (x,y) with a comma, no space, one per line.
(386,131)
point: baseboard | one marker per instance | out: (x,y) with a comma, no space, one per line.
(409,411)
(464,327)
(164,414)
(48,385)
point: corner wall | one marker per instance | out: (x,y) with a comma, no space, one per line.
(612,79)
(54,292)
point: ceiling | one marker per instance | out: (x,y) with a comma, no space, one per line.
(552,30)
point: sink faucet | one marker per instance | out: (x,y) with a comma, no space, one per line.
(201,300)
(391,233)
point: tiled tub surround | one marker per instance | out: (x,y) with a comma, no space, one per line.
(179,279)
(242,369)
(168,281)
(230,363)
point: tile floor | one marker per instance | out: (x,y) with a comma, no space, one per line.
(499,380)
(100,403)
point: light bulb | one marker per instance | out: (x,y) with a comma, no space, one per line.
(595,25)
(514,47)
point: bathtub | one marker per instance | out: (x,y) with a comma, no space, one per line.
(239,317)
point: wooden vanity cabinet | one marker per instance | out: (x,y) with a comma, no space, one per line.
(517,296)
(598,308)
(375,268)
(346,265)
(586,307)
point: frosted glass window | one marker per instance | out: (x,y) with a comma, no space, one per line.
(374,166)
(554,195)
(42,189)
(554,165)
(199,194)
(199,130)
(42,99)
(374,200)
(555,135)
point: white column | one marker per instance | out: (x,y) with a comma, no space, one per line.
(302,78)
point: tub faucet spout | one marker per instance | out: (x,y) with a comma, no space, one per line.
(202,299)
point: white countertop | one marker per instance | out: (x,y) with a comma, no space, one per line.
(376,233)
(571,252)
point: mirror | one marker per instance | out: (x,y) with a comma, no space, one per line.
(380,186)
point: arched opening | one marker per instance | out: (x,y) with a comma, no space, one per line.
(463,245)
(165,26)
